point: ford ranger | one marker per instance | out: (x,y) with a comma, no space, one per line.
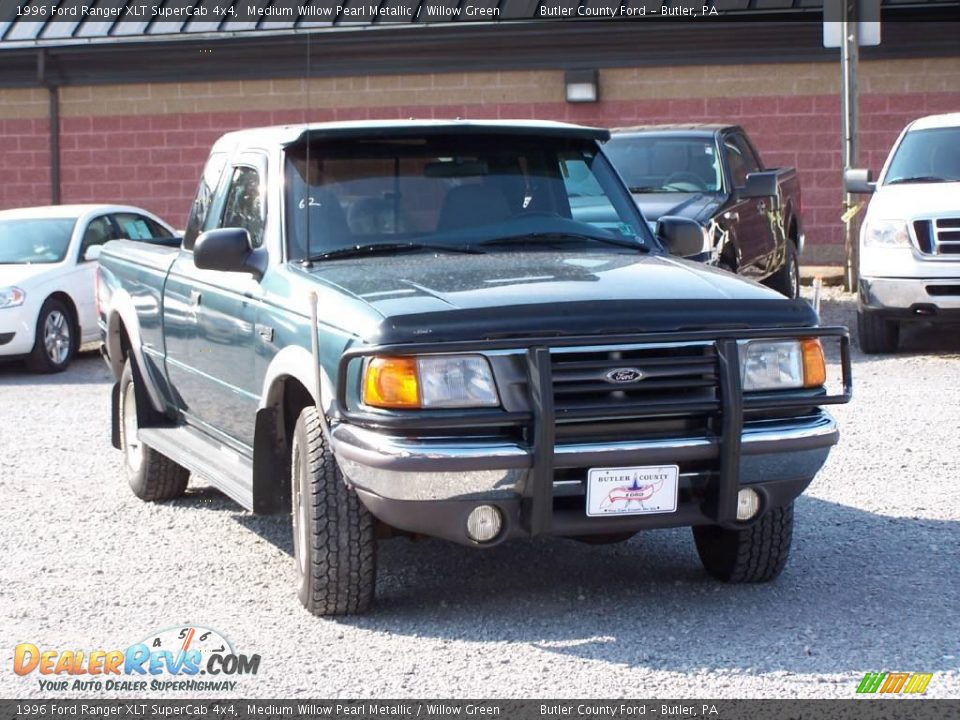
(713,174)
(411,328)
(910,237)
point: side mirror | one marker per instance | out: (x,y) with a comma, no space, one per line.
(681,236)
(229,250)
(760,185)
(859,180)
(92,253)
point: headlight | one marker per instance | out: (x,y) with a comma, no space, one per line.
(434,381)
(11,297)
(886,233)
(782,364)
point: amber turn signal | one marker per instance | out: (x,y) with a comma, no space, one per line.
(814,366)
(391,382)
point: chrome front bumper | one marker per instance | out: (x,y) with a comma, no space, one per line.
(908,293)
(399,468)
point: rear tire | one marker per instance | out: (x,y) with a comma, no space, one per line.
(786,280)
(877,333)
(333,533)
(152,476)
(754,554)
(57,338)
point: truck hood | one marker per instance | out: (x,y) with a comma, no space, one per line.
(914,200)
(444,297)
(696,206)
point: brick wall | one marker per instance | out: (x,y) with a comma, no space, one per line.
(145,144)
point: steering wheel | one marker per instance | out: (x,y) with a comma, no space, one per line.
(684,177)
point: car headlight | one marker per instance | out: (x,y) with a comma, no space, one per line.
(432,381)
(782,364)
(11,297)
(886,233)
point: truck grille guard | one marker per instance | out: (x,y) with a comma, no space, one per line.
(540,423)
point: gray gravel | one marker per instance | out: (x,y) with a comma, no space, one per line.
(873,582)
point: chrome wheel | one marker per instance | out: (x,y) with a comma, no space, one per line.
(132,449)
(56,337)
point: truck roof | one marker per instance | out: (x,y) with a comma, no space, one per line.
(287,134)
(931,122)
(688,129)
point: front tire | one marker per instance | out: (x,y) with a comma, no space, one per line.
(333,533)
(877,334)
(786,280)
(152,476)
(56,338)
(753,554)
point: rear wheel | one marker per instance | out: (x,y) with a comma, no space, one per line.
(753,554)
(56,338)
(333,533)
(877,333)
(152,476)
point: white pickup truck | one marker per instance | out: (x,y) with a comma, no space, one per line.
(910,239)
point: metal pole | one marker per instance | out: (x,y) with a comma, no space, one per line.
(849,56)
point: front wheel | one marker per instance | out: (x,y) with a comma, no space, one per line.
(876,333)
(786,280)
(753,554)
(56,339)
(152,476)
(333,533)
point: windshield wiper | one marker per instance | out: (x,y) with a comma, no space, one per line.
(920,179)
(562,237)
(645,189)
(381,248)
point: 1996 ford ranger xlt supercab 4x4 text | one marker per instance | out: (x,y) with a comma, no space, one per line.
(420,328)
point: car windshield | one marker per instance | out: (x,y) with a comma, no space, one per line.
(34,240)
(926,156)
(455,191)
(656,164)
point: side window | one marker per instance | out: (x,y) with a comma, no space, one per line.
(244,207)
(750,158)
(201,204)
(139,227)
(738,165)
(98,231)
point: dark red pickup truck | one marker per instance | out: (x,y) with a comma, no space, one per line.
(714,175)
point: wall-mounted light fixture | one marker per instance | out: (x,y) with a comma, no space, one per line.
(582,86)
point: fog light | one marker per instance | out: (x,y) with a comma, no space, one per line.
(748,503)
(484,523)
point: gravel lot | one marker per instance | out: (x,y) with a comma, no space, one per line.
(873,583)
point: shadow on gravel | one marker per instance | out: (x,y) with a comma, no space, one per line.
(862,592)
(87,368)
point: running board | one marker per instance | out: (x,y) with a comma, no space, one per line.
(226,469)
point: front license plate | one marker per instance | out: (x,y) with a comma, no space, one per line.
(632,490)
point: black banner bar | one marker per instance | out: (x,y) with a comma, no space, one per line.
(891,708)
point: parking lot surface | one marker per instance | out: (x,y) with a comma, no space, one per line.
(872,585)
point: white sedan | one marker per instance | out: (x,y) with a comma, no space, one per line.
(48,275)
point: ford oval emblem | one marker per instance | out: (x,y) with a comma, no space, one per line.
(624,375)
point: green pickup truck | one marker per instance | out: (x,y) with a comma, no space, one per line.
(463,330)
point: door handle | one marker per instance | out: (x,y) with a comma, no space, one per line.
(195,297)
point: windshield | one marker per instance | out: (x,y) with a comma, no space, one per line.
(457,191)
(926,156)
(653,164)
(34,240)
